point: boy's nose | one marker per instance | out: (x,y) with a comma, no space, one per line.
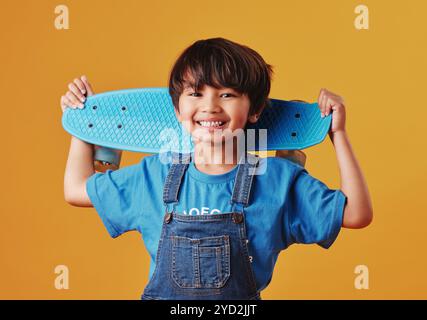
(210,105)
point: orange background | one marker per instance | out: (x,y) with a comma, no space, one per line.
(128,44)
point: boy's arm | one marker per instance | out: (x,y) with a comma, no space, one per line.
(358,210)
(80,163)
(78,169)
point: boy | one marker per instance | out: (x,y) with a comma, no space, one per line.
(214,228)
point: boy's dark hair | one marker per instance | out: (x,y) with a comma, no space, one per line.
(219,62)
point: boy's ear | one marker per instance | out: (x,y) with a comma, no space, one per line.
(255,117)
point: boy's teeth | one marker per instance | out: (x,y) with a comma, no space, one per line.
(211,123)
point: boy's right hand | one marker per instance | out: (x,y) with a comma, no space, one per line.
(79,89)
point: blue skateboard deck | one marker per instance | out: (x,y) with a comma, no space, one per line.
(143,120)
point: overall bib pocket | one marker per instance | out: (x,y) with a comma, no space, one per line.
(200,263)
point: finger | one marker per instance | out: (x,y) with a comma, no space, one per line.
(319,100)
(66,103)
(87,85)
(323,103)
(73,99)
(76,92)
(79,83)
(329,104)
(337,98)
(63,103)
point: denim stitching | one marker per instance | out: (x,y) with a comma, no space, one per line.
(196,266)
(241,188)
(236,190)
(167,184)
(223,245)
(219,258)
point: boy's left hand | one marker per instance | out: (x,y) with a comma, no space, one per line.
(329,102)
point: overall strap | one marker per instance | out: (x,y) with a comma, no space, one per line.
(174,179)
(243,181)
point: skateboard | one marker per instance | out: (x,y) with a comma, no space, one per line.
(143,120)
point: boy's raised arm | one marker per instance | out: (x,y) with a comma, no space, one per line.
(78,169)
(358,211)
(80,163)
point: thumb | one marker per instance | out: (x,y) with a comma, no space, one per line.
(88,86)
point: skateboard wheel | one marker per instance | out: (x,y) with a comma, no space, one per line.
(106,158)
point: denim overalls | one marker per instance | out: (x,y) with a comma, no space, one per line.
(205,256)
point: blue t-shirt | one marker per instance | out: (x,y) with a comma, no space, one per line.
(286,206)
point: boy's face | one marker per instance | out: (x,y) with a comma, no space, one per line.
(213,110)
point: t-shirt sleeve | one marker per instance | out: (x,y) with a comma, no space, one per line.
(315,212)
(116,197)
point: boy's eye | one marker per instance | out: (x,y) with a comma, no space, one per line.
(229,94)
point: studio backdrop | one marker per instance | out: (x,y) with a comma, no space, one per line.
(372,53)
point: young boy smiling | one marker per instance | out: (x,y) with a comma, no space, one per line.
(214,116)
(214,228)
